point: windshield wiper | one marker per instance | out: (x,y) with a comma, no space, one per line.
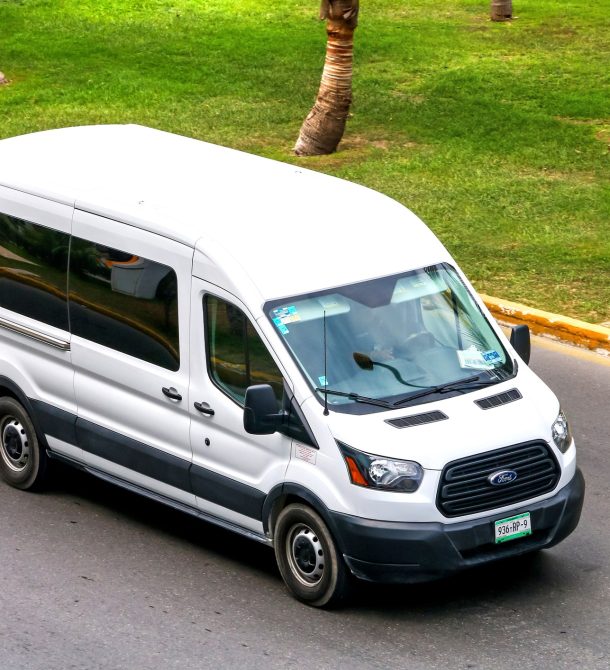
(355,397)
(441,388)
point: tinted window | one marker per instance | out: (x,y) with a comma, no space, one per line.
(33,264)
(237,357)
(125,302)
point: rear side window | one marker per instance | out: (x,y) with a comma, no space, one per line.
(124,301)
(237,357)
(33,271)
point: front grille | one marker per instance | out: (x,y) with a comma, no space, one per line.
(417,419)
(465,489)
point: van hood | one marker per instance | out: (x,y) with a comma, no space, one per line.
(466,431)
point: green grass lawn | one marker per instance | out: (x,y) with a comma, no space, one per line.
(497,135)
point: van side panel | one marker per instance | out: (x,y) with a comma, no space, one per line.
(36,356)
(133,417)
(232,470)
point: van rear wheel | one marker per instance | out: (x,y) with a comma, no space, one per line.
(307,557)
(23,463)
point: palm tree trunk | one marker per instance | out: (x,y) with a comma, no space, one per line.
(501,10)
(323,128)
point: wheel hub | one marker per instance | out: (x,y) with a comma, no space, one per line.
(306,555)
(15,445)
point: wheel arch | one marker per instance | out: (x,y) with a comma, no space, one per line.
(8,388)
(285,494)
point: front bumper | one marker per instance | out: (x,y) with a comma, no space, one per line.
(394,552)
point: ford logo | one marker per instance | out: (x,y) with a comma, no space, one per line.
(502,477)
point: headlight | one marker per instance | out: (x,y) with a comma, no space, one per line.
(562,436)
(381,473)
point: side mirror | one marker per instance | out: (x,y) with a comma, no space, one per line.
(261,416)
(520,341)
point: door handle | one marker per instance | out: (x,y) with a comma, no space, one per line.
(200,407)
(171,393)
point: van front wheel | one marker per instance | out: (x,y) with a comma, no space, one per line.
(307,557)
(23,463)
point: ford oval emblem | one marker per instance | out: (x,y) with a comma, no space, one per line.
(502,477)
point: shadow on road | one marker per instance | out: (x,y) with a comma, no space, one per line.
(138,509)
(531,575)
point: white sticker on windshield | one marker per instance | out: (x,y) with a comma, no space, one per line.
(473,358)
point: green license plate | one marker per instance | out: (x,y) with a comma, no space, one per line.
(513,527)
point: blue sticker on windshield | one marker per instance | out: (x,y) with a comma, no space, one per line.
(491,356)
(286,315)
(280,326)
(323,381)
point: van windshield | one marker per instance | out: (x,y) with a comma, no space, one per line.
(395,341)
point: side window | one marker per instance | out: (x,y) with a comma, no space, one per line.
(125,302)
(237,357)
(33,268)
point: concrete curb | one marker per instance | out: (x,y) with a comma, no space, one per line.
(577,332)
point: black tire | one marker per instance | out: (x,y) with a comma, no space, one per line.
(23,463)
(307,557)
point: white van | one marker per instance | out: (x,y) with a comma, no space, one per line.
(279,352)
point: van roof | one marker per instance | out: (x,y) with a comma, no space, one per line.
(275,219)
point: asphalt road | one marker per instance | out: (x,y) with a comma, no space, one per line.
(93,577)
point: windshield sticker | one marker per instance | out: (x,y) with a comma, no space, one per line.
(473,358)
(323,381)
(280,326)
(491,356)
(286,314)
